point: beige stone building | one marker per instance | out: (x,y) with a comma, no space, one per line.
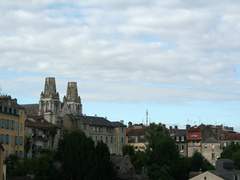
(99,129)
(211,150)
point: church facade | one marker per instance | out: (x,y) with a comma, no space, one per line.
(50,101)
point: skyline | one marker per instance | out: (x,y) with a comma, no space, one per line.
(177,59)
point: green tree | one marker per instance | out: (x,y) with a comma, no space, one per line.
(128,150)
(105,171)
(230,150)
(153,132)
(52,133)
(198,162)
(27,145)
(79,157)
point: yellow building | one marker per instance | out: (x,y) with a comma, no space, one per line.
(12,117)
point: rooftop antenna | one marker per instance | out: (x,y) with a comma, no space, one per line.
(146,117)
(0,89)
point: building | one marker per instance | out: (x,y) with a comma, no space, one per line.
(231,137)
(211,150)
(181,140)
(125,169)
(136,136)
(50,100)
(37,128)
(99,129)
(12,117)
(224,171)
(196,135)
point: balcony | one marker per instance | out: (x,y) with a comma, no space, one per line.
(194,144)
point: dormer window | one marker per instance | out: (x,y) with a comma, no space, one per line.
(177,138)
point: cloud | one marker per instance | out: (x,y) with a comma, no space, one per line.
(124,52)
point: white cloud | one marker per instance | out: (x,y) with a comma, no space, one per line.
(120,44)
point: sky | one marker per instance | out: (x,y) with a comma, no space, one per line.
(176,59)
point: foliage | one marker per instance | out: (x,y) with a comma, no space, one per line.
(232,152)
(53,132)
(27,145)
(128,150)
(138,161)
(197,162)
(153,132)
(12,161)
(81,159)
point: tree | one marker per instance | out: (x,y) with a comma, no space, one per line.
(53,132)
(128,150)
(103,157)
(27,145)
(79,157)
(153,132)
(232,152)
(198,162)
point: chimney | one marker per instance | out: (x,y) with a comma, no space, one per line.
(129,125)
(122,121)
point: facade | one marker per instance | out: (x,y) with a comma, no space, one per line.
(136,136)
(211,150)
(196,135)
(37,128)
(231,137)
(50,100)
(99,129)
(180,137)
(12,117)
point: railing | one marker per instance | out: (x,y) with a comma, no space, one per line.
(194,144)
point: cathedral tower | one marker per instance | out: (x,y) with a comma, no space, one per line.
(49,99)
(72,100)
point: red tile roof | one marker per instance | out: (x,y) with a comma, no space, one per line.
(231,136)
(38,123)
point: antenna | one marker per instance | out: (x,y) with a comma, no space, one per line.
(146,117)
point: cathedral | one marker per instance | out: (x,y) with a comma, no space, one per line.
(50,101)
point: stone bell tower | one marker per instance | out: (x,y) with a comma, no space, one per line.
(72,100)
(49,99)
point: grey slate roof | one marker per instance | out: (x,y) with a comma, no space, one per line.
(211,140)
(30,108)
(95,121)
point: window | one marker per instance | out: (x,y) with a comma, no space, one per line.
(12,140)
(193,134)
(122,139)
(21,126)
(16,140)
(16,152)
(205,146)
(7,124)
(96,138)
(182,148)
(17,126)
(13,125)
(212,146)
(7,139)
(122,129)
(7,153)
(84,126)
(2,123)
(101,138)
(2,138)
(106,139)
(213,156)
(20,154)
(182,138)
(111,139)
(136,139)
(100,129)
(177,138)
(193,150)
